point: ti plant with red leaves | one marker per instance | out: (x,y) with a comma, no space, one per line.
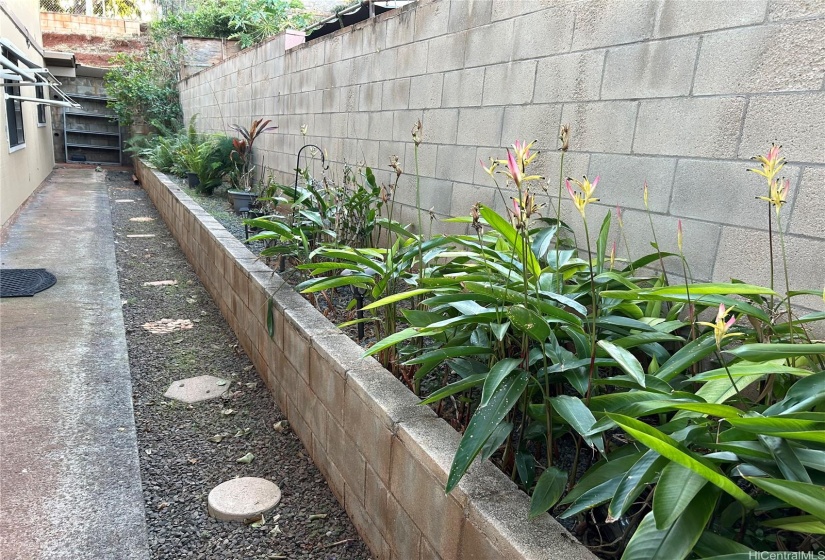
(241,177)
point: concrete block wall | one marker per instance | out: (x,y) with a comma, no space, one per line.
(385,457)
(678,93)
(53,22)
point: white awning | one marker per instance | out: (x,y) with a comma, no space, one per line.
(28,74)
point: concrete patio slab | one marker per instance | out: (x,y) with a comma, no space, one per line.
(69,479)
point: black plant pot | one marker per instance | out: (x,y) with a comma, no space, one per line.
(241,200)
(193,180)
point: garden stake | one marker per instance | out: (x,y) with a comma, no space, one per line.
(359,312)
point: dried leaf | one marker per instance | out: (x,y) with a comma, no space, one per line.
(280,426)
(165,326)
(315,516)
(217,438)
(227,411)
(246,459)
(221,383)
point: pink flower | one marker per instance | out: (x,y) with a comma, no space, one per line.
(512,165)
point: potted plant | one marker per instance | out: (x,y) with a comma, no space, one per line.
(206,163)
(241,173)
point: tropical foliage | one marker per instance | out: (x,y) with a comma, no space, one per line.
(592,381)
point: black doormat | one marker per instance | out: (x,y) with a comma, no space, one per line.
(24,282)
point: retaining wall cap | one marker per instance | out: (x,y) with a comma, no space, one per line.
(502,518)
(340,349)
(308,320)
(386,396)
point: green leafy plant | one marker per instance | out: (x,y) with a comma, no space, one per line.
(721,441)
(248,21)
(209,159)
(142,89)
(252,21)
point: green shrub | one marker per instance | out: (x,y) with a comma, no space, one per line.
(702,438)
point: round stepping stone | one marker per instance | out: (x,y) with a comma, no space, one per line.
(196,389)
(243,498)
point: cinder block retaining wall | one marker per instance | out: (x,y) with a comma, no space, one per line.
(54,22)
(680,93)
(385,457)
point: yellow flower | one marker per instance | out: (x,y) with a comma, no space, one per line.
(778,193)
(721,326)
(517,162)
(584,196)
(490,170)
(523,155)
(771,163)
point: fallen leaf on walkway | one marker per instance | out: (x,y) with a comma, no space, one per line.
(227,411)
(246,459)
(217,438)
(142,219)
(193,461)
(163,505)
(221,383)
(280,426)
(253,385)
(148,451)
(315,516)
(259,523)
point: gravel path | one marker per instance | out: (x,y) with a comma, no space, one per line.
(180,463)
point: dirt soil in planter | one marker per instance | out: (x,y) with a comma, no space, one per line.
(179,462)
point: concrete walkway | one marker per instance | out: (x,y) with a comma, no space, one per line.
(69,478)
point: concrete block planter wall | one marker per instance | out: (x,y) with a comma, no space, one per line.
(385,457)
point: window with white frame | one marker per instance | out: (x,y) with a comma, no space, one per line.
(14,109)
